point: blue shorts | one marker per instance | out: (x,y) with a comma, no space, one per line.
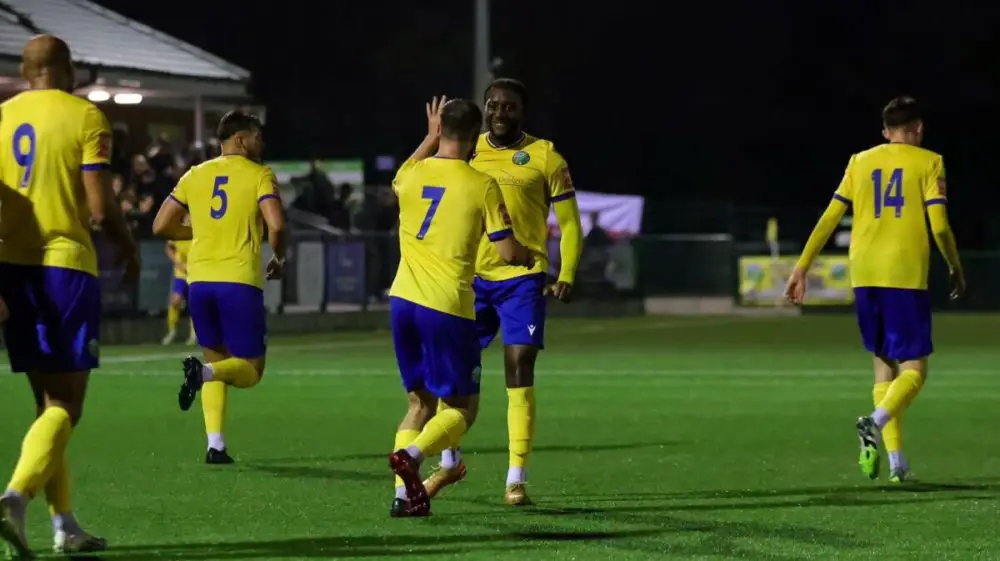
(437,352)
(229,315)
(515,307)
(55,318)
(895,322)
(180,287)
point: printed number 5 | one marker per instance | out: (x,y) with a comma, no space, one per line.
(893,196)
(218,193)
(434,194)
(25,159)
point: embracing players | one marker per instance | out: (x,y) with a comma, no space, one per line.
(445,209)
(177,251)
(510,299)
(54,148)
(892,187)
(229,200)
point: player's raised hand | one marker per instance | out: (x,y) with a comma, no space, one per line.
(275,268)
(433,109)
(562,291)
(795,291)
(957,283)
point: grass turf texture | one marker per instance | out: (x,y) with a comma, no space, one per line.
(707,438)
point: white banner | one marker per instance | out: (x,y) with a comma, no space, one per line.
(620,215)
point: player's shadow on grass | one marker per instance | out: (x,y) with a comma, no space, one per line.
(371,546)
(556,448)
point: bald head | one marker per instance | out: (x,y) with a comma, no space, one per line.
(46,63)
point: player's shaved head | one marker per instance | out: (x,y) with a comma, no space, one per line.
(461,119)
(46,62)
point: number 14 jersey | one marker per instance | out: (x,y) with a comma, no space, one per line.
(889,187)
(445,208)
(222,197)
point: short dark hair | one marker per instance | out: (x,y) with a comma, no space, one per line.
(234,122)
(509,84)
(461,119)
(901,111)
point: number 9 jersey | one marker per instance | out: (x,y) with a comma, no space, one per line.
(445,208)
(889,187)
(222,197)
(47,139)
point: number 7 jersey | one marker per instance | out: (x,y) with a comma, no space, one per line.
(445,208)
(222,197)
(889,187)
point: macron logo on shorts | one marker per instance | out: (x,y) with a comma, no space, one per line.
(531,330)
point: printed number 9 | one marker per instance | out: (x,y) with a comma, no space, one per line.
(25,159)
(434,194)
(219,193)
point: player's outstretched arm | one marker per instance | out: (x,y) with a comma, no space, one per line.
(169,221)
(796,289)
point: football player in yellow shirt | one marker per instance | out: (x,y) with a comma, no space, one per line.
(893,188)
(177,251)
(229,199)
(54,151)
(511,300)
(445,209)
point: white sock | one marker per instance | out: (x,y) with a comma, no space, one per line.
(881,418)
(215,441)
(450,458)
(65,522)
(401,493)
(515,475)
(415,453)
(206,372)
(897,461)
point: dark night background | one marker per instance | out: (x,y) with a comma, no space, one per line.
(755,103)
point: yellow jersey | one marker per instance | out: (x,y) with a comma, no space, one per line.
(532,175)
(445,207)
(222,197)
(48,138)
(889,187)
(181,250)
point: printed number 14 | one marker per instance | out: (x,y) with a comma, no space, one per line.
(893,196)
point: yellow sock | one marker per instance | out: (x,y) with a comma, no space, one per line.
(173,316)
(193,334)
(234,371)
(901,392)
(458,440)
(446,427)
(404,438)
(213,405)
(57,490)
(520,424)
(892,432)
(41,450)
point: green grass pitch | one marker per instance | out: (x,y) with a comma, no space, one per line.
(705,438)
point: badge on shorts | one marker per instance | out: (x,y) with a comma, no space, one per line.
(520,158)
(94,348)
(477,374)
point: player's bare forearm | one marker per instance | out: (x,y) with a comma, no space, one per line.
(274,217)
(426,148)
(105,212)
(821,233)
(571,242)
(943,235)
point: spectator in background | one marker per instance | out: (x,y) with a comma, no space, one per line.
(341,217)
(151,189)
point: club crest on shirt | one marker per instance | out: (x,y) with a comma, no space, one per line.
(942,187)
(520,158)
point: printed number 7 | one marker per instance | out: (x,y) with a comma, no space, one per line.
(434,194)
(217,192)
(25,159)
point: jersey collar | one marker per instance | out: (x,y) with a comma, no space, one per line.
(509,146)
